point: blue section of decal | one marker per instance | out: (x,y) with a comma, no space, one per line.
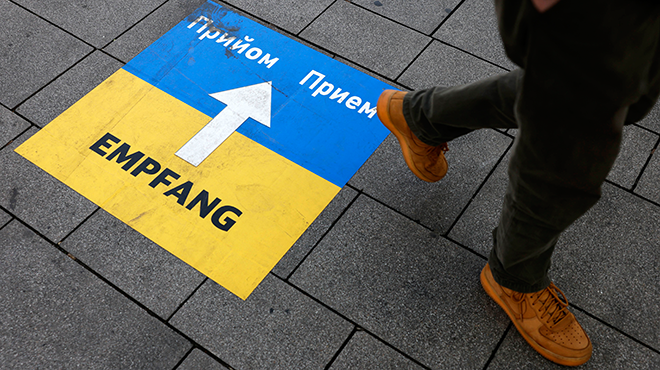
(319,134)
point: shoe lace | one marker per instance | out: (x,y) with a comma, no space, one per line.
(552,306)
(444,148)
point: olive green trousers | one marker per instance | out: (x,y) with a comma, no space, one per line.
(587,68)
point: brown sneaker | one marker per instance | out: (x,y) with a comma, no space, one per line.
(543,319)
(425,161)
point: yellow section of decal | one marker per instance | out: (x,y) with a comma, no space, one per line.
(116,147)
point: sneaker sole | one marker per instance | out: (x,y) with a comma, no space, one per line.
(562,360)
(382,106)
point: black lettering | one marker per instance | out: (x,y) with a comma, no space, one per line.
(122,156)
(204,207)
(181,192)
(228,222)
(103,143)
(144,167)
(162,178)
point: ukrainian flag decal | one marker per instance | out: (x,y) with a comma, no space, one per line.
(221,142)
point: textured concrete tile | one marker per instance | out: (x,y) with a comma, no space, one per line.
(364,351)
(11,125)
(366,38)
(143,34)
(277,327)
(612,350)
(198,360)
(96,22)
(386,177)
(33,53)
(4,218)
(442,65)
(291,15)
(474,228)
(368,72)
(652,120)
(55,314)
(607,264)
(50,102)
(425,16)
(635,150)
(473,28)
(418,292)
(36,197)
(648,185)
(314,233)
(136,265)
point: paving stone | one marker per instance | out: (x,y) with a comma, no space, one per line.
(96,22)
(33,53)
(652,120)
(11,125)
(67,89)
(386,177)
(474,228)
(198,360)
(442,65)
(277,327)
(56,314)
(364,351)
(143,34)
(412,289)
(314,233)
(612,350)
(136,265)
(648,184)
(368,72)
(4,218)
(607,264)
(424,16)
(635,150)
(36,197)
(473,28)
(366,38)
(291,15)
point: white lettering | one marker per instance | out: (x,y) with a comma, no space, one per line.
(353,102)
(340,97)
(365,109)
(253,53)
(310,74)
(327,86)
(269,62)
(225,39)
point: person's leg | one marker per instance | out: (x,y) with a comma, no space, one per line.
(587,63)
(441,114)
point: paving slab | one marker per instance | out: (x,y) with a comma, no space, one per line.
(607,264)
(411,288)
(291,15)
(198,360)
(366,38)
(148,30)
(473,28)
(648,184)
(364,351)
(474,228)
(56,314)
(133,263)
(422,15)
(443,65)
(314,233)
(36,197)
(652,120)
(11,125)
(33,53)
(386,177)
(636,148)
(4,218)
(67,89)
(612,350)
(277,327)
(95,22)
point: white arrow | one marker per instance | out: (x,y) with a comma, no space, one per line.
(242,103)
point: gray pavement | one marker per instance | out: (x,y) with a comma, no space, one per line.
(385,278)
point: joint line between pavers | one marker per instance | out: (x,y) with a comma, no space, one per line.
(341,348)
(499,344)
(186,300)
(648,160)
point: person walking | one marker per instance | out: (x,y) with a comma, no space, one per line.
(587,68)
